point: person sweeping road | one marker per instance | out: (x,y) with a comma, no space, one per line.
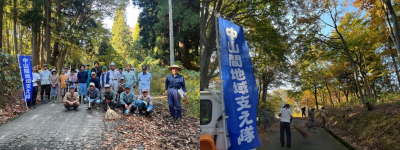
(286,120)
(266,120)
(324,116)
(311,116)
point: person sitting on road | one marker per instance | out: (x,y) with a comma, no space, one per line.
(145,102)
(108,97)
(127,100)
(311,117)
(92,94)
(71,99)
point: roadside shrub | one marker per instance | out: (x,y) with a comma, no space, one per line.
(10,76)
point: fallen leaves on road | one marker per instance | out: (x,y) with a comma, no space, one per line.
(155,133)
(11,105)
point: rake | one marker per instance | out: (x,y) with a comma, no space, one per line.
(305,134)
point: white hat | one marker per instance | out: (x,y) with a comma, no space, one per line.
(312,107)
(107,86)
(92,83)
(93,73)
(112,64)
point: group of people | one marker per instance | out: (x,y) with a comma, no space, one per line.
(287,118)
(106,88)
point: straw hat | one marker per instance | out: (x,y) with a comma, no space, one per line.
(175,66)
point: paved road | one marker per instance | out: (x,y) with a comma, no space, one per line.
(49,126)
(317,141)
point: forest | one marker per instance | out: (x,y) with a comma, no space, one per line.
(337,54)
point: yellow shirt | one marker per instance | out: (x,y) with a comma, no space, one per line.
(63,78)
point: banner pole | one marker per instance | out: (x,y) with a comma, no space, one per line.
(20,72)
(220,74)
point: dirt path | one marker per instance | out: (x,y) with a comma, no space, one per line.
(317,141)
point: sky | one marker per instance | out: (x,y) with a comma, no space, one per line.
(132,14)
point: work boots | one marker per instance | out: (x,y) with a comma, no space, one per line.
(315,131)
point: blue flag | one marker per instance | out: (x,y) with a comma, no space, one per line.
(239,87)
(26,74)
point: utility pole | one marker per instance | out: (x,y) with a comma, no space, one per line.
(171,35)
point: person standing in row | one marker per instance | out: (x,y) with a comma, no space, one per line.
(45,84)
(54,81)
(67,71)
(96,69)
(144,79)
(104,78)
(113,77)
(72,78)
(63,83)
(88,71)
(130,77)
(120,71)
(35,80)
(173,83)
(82,77)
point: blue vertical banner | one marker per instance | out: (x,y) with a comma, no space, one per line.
(239,87)
(25,66)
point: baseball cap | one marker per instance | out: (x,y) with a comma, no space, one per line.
(44,65)
(144,67)
(122,78)
(112,64)
(145,90)
(127,86)
(91,84)
(107,86)
(93,73)
(72,87)
(53,70)
(104,67)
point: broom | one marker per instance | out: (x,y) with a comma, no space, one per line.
(111,114)
(305,134)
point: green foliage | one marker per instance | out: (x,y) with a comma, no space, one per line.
(121,38)
(154,31)
(192,80)
(10,75)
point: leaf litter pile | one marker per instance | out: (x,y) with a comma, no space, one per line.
(155,133)
(11,105)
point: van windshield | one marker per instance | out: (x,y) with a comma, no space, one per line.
(205,111)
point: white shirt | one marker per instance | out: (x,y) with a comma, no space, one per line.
(144,80)
(36,78)
(286,113)
(45,77)
(113,74)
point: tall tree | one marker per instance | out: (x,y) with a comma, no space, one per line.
(15,29)
(2,2)
(121,38)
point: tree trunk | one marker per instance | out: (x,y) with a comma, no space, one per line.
(395,25)
(353,65)
(34,44)
(394,64)
(9,50)
(329,91)
(62,58)
(315,95)
(15,30)
(1,23)
(47,34)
